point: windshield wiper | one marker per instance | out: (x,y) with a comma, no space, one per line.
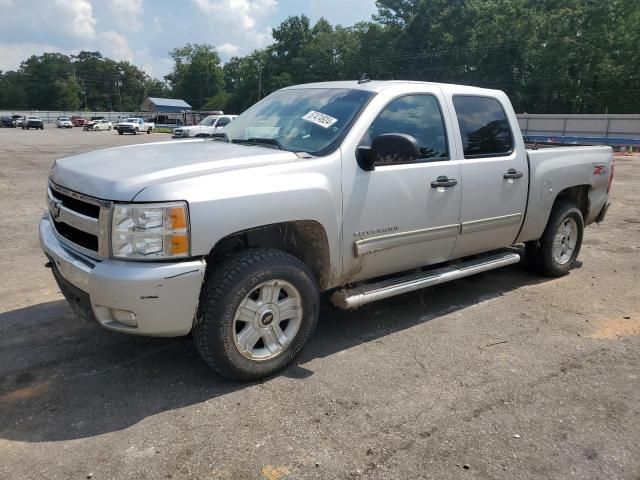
(267,142)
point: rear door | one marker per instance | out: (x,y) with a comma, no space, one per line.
(494,173)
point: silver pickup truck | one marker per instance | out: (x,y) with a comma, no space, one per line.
(363,189)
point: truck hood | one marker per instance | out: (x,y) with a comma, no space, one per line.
(122,172)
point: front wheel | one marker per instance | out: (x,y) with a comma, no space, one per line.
(257,311)
(120,132)
(555,253)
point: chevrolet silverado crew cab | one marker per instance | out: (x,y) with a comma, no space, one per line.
(134,125)
(206,128)
(362,190)
(32,122)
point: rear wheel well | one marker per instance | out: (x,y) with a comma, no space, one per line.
(304,239)
(579,195)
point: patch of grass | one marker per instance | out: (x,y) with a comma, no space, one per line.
(163,130)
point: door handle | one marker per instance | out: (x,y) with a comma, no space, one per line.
(444,181)
(512,173)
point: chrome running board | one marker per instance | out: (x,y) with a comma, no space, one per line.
(363,294)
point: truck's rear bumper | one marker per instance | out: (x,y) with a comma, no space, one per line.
(603,212)
(156,299)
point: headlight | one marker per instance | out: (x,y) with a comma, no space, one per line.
(150,231)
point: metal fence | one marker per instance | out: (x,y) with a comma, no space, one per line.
(607,129)
(52,116)
(613,129)
(167,120)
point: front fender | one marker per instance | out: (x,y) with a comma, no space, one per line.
(225,203)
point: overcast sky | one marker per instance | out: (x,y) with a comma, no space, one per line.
(143,31)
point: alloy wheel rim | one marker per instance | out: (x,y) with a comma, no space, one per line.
(564,243)
(267,320)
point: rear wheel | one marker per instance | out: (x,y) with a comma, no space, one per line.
(120,132)
(555,253)
(257,311)
(149,131)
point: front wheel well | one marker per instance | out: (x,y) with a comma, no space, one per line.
(304,239)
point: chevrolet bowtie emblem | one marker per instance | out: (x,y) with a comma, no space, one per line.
(55,209)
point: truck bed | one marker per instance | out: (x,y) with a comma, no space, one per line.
(552,170)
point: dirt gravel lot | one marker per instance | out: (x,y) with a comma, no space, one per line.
(505,375)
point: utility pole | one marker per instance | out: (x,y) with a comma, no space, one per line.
(259,81)
(84,94)
(119,85)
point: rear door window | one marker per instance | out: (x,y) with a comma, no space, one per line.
(484,126)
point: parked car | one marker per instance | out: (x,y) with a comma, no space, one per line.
(134,125)
(78,121)
(364,190)
(207,126)
(97,125)
(64,122)
(18,119)
(7,122)
(32,122)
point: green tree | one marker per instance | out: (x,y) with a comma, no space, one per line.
(197,74)
(67,94)
(12,93)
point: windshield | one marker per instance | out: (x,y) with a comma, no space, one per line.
(208,121)
(64,119)
(308,120)
(132,120)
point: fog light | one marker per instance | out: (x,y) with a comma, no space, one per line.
(123,316)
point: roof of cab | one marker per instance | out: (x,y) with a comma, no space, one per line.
(380,85)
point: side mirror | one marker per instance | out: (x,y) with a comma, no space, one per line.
(366,160)
(388,147)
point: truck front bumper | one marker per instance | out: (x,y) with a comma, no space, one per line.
(141,298)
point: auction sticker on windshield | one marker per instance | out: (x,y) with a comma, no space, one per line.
(320,119)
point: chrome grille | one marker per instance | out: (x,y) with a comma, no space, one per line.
(80,221)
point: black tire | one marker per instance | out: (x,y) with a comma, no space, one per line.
(120,132)
(149,131)
(135,131)
(225,287)
(539,253)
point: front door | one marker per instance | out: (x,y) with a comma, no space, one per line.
(403,215)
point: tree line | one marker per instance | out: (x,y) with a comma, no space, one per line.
(549,56)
